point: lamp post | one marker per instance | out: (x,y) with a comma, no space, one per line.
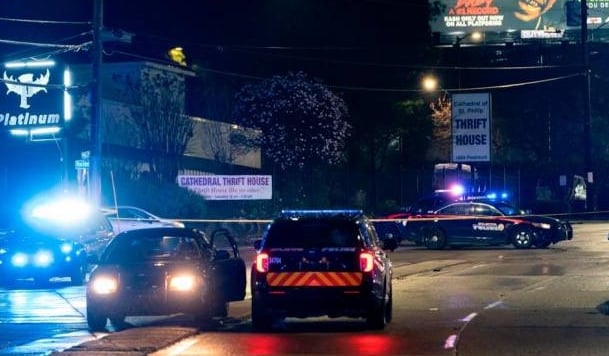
(586,102)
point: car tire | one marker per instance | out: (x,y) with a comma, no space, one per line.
(522,237)
(96,321)
(434,238)
(262,319)
(204,317)
(221,309)
(381,314)
(117,321)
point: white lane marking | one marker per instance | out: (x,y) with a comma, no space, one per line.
(469,318)
(451,340)
(492,305)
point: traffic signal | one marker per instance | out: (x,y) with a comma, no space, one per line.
(574,12)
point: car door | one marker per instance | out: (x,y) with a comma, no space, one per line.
(457,220)
(489,228)
(228,268)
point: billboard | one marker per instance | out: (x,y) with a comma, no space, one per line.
(533,17)
(471,127)
(33,95)
(229,187)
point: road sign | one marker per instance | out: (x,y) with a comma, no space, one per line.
(81,163)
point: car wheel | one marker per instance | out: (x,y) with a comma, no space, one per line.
(118,321)
(435,239)
(95,320)
(389,308)
(522,237)
(204,317)
(381,314)
(221,310)
(261,318)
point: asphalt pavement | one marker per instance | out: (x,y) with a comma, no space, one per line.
(147,340)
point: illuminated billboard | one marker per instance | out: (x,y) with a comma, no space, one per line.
(471,127)
(33,95)
(514,15)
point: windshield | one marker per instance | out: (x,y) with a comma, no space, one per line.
(312,233)
(507,209)
(150,245)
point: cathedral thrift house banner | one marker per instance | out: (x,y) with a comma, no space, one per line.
(32,96)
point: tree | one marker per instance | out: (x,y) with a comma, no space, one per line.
(301,120)
(389,134)
(441,117)
(215,97)
(163,128)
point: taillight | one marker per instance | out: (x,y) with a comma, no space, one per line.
(262,262)
(366,261)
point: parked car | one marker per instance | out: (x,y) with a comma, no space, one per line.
(26,253)
(322,262)
(125,218)
(485,222)
(163,271)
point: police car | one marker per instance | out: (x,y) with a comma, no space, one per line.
(485,222)
(322,263)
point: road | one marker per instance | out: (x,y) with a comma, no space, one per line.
(451,302)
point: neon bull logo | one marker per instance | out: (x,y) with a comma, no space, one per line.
(26,91)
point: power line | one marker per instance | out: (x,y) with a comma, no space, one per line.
(368,89)
(48,45)
(20,55)
(45,21)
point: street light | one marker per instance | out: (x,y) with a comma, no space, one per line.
(429,83)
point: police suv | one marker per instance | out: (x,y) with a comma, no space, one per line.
(322,263)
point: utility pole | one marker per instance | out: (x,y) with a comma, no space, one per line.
(96,107)
(586,102)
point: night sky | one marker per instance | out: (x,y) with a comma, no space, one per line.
(248,37)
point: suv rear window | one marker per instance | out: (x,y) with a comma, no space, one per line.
(306,233)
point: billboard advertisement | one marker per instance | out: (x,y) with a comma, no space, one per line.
(471,127)
(33,95)
(229,187)
(513,15)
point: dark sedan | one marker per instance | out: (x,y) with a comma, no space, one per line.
(29,254)
(163,271)
(471,223)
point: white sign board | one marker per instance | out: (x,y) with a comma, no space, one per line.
(471,127)
(230,187)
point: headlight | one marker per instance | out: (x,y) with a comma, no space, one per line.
(66,248)
(104,285)
(43,258)
(544,226)
(182,283)
(19,259)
